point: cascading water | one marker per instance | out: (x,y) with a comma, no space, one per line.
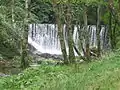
(44,37)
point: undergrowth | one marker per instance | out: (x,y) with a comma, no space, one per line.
(103,74)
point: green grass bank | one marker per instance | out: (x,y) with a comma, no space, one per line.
(101,74)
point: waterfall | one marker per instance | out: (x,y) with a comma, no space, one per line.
(44,37)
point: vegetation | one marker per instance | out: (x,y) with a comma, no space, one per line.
(102,74)
(96,71)
(16,19)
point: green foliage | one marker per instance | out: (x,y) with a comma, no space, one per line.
(102,75)
(12,32)
(43,10)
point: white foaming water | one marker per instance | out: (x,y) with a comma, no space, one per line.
(44,37)
(41,49)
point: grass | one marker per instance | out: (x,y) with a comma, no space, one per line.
(103,74)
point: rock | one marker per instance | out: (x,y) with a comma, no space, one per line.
(3,75)
(47,56)
(31,48)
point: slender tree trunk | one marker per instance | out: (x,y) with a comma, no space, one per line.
(87,49)
(12,14)
(35,29)
(24,54)
(118,13)
(110,29)
(98,31)
(104,39)
(70,34)
(32,31)
(13,7)
(80,47)
(60,32)
(114,35)
(62,43)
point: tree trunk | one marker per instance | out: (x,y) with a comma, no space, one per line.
(24,54)
(112,30)
(118,13)
(98,31)
(32,31)
(104,39)
(114,35)
(13,7)
(60,32)
(70,34)
(86,35)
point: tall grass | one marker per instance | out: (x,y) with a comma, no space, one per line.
(102,74)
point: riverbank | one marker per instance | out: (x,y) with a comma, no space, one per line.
(103,74)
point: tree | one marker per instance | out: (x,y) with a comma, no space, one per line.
(24,53)
(98,27)
(86,34)
(70,28)
(60,24)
